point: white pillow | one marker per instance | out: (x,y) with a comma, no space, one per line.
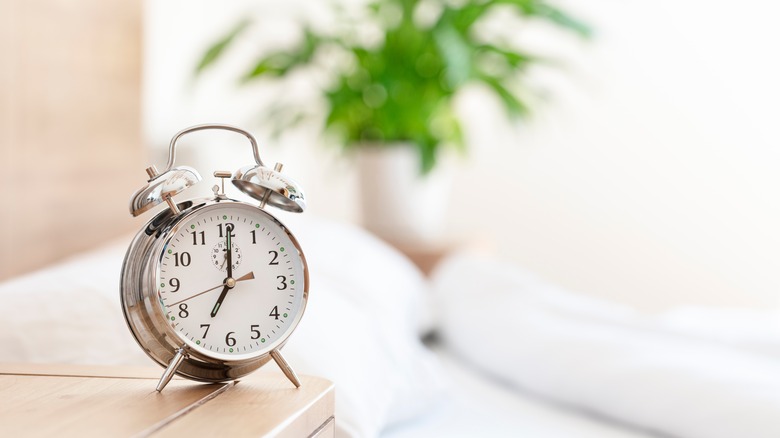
(359,329)
(368,271)
(362,320)
(69,313)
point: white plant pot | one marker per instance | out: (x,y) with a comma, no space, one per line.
(398,203)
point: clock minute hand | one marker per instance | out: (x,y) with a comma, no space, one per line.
(247,276)
(229,230)
(229,281)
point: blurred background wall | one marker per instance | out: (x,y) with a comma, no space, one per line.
(70,110)
(647,177)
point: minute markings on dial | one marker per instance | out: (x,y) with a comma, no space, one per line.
(256,259)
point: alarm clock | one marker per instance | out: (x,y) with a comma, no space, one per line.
(212,288)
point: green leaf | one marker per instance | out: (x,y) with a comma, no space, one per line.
(274,64)
(514,106)
(457,55)
(282,62)
(427,151)
(463,17)
(214,52)
(558,16)
(514,59)
(543,10)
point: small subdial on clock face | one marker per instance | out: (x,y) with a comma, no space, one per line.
(219,256)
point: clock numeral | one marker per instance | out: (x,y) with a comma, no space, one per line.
(208,326)
(174,283)
(254,328)
(230,340)
(185,259)
(254,237)
(274,312)
(183,313)
(273,260)
(195,237)
(229,227)
(283,285)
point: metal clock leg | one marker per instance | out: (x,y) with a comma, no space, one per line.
(171,370)
(286,369)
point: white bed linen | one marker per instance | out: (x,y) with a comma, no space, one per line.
(607,360)
(478,406)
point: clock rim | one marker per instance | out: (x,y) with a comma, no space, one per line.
(142,312)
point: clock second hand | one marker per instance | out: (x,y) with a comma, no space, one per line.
(248,276)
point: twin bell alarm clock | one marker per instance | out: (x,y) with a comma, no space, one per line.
(212,288)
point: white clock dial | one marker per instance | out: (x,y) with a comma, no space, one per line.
(233,304)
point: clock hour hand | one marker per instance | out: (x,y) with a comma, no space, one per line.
(221,298)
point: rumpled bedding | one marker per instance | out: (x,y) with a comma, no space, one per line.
(693,373)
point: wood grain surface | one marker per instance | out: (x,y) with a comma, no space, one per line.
(255,404)
(68,400)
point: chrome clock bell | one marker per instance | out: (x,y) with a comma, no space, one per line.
(212,288)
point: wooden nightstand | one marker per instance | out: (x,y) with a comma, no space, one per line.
(71,400)
(428,256)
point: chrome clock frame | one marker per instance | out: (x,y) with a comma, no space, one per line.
(144,314)
(139,293)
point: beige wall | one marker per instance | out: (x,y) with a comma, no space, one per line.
(69,126)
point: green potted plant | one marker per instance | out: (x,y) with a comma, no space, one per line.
(395,97)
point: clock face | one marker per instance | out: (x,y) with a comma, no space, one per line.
(231,281)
